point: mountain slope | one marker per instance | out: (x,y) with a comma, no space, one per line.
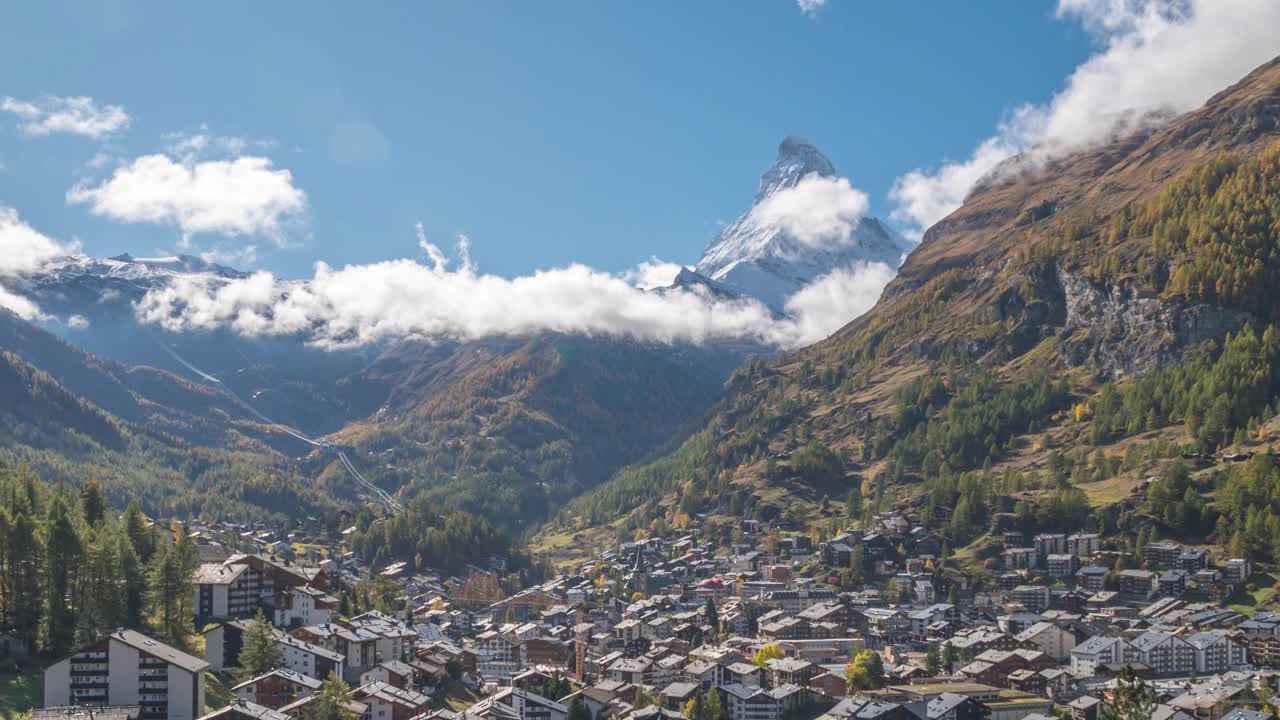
(61,434)
(510,428)
(1004,355)
(149,398)
(282,377)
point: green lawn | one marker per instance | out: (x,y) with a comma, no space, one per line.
(217,692)
(19,693)
(454,696)
(1249,603)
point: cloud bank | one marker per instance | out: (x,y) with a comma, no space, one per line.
(69,115)
(1156,58)
(25,250)
(652,273)
(817,211)
(363,304)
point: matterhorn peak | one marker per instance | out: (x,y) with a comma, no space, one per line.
(757,255)
(797,158)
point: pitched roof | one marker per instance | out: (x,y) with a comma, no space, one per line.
(157,649)
(247,709)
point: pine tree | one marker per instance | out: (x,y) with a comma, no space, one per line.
(63,554)
(260,652)
(711,709)
(133,581)
(332,703)
(1132,698)
(169,592)
(92,503)
(101,603)
(933,660)
(135,524)
(22,583)
(578,709)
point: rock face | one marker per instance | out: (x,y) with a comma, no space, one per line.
(757,257)
(1123,332)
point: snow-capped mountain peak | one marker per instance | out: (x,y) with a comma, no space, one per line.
(796,159)
(763,254)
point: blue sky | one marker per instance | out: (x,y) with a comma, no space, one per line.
(548,132)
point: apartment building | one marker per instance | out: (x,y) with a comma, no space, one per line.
(224,591)
(1033,597)
(1164,653)
(277,688)
(1097,651)
(129,668)
(749,703)
(303,605)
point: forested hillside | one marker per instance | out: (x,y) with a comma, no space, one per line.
(1060,338)
(510,429)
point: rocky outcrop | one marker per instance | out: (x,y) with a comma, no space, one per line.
(1122,331)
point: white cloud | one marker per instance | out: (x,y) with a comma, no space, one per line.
(831,301)
(73,115)
(77,322)
(19,305)
(817,211)
(240,196)
(810,7)
(923,197)
(203,143)
(362,304)
(652,273)
(23,249)
(1156,57)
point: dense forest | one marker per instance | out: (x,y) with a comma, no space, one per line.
(424,538)
(71,569)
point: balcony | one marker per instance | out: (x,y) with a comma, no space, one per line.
(89,684)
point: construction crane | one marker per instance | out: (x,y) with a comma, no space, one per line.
(580,642)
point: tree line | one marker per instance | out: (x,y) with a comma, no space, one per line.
(71,570)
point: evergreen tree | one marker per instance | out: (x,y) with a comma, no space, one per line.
(260,651)
(713,618)
(578,709)
(63,552)
(332,703)
(101,602)
(135,524)
(24,558)
(933,660)
(92,503)
(711,709)
(169,590)
(133,581)
(1132,698)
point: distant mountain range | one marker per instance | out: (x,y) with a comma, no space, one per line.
(510,428)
